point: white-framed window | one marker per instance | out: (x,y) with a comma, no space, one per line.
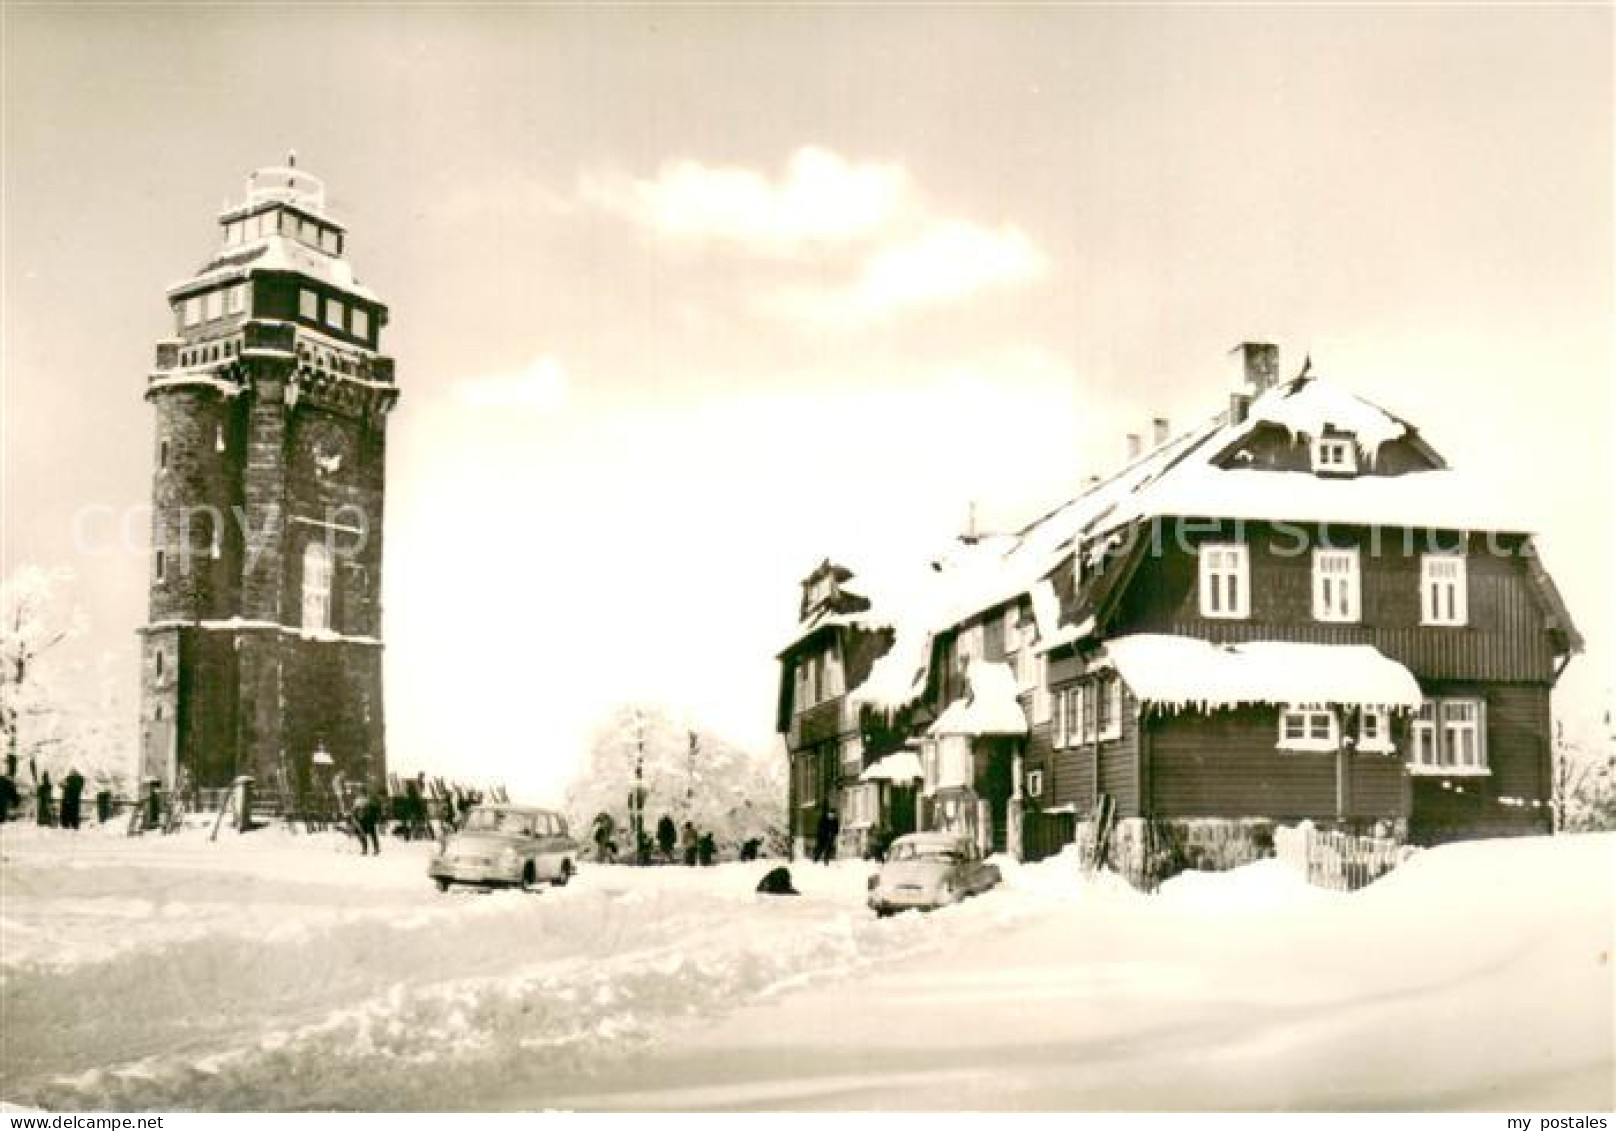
(335,313)
(317,587)
(214,304)
(1035,783)
(1375,731)
(1067,715)
(1088,710)
(833,682)
(193,310)
(852,755)
(1225,580)
(1335,585)
(236,299)
(1450,737)
(1110,708)
(1335,455)
(1444,590)
(308,305)
(1309,727)
(1461,733)
(361,322)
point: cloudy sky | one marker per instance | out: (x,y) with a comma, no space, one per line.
(683,301)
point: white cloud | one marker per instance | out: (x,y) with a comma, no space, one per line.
(539,386)
(859,225)
(821,199)
(948,260)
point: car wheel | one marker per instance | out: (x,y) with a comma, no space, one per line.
(530,877)
(443,885)
(564,875)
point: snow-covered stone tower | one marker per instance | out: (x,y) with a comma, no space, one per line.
(264,638)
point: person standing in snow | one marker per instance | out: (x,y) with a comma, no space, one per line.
(833,829)
(367,816)
(43,814)
(687,842)
(822,837)
(9,797)
(706,850)
(72,796)
(666,837)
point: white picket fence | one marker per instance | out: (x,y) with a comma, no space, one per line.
(1335,860)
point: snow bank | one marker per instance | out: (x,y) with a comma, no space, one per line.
(1182,671)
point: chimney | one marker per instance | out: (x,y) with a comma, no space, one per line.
(1134,444)
(1239,405)
(1259,365)
(1158,429)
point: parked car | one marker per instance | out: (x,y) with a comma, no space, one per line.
(927,870)
(501,845)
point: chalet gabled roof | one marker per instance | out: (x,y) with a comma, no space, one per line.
(1182,478)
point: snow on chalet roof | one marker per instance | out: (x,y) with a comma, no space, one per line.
(1178,479)
(990,705)
(904,766)
(1183,671)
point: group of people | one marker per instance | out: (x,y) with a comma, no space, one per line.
(69,814)
(695,847)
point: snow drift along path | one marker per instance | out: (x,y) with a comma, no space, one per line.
(170,973)
(174,973)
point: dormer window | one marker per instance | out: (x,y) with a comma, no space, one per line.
(1335,455)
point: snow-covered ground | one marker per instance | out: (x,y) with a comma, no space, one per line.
(279,971)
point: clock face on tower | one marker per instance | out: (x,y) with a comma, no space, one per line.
(326,446)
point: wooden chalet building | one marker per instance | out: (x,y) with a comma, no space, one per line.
(1294,611)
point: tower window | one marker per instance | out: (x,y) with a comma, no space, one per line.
(159,667)
(162,455)
(329,242)
(308,305)
(317,587)
(162,567)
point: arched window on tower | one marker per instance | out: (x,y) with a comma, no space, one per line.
(317,587)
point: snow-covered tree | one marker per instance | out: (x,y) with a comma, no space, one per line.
(33,623)
(1585,783)
(688,775)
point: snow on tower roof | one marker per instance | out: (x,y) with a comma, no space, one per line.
(277,253)
(1183,671)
